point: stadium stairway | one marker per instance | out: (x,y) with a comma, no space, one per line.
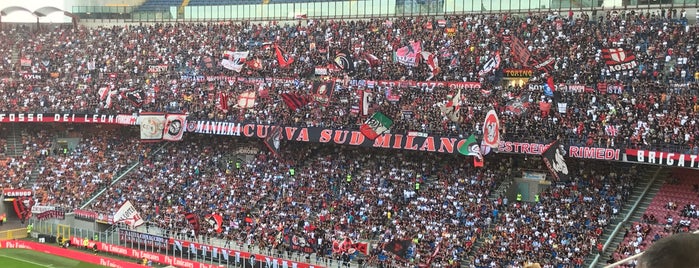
(120,174)
(499,191)
(15,148)
(643,193)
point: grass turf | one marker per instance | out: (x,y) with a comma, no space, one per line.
(21,258)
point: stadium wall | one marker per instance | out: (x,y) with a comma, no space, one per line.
(358,9)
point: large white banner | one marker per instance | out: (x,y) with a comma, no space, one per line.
(152,126)
(128,214)
(236,60)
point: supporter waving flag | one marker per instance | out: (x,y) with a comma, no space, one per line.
(452,107)
(549,87)
(255,64)
(283,58)
(137,97)
(554,159)
(235,60)
(344,61)
(23,207)
(323,90)
(215,221)
(432,62)
(246,100)
(408,55)
(492,65)
(471,147)
(223,101)
(376,125)
(372,60)
(294,100)
(399,247)
(193,220)
(273,140)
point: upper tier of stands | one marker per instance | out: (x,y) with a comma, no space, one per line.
(653,105)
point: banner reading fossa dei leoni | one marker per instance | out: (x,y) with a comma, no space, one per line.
(121,119)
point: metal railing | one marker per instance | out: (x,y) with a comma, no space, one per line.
(13,234)
(112,236)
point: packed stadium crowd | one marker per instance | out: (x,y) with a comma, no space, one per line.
(315,192)
(333,192)
(177,67)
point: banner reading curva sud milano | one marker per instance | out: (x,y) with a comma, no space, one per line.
(336,136)
(428,143)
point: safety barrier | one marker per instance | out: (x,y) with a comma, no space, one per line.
(13,234)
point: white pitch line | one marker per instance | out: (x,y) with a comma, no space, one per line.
(17,259)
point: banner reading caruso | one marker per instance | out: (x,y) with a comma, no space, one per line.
(429,143)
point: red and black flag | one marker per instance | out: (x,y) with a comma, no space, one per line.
(323,90)
(554,158)
(294,100)
(398,247)
(273,140)
(344,61)
(193,220)
(23,207)
(283,58)
(137,97)
(215,221)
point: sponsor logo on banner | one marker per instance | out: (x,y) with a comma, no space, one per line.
(10,193)
(662,158)
(77,255)
(234,256)
(67,118)
(144,239)
(128,214)
(491,130)
(139,254)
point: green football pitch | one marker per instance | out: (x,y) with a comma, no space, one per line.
(20,258)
